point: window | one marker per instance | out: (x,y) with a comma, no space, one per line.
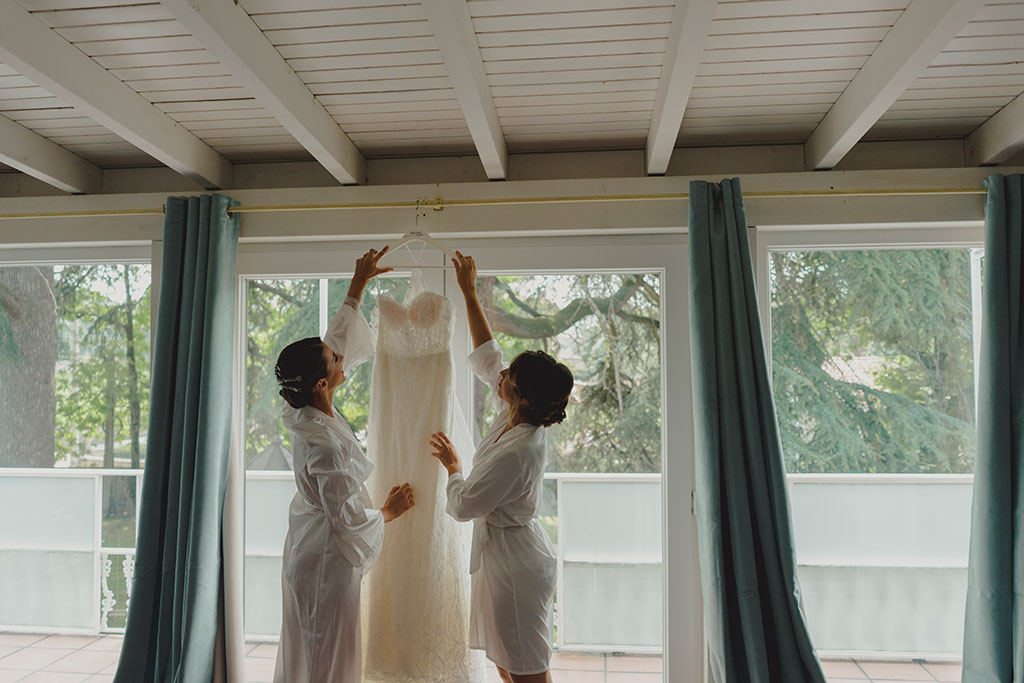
(873,375)
(602,504)
(74,400)
(604,482)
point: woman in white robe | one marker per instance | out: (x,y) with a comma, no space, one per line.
(512,561)
(334,533)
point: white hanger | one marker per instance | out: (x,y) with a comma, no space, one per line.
(424,238)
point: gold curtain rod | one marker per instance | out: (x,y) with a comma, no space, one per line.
(439,203)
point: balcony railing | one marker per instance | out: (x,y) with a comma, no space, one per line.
(881,558)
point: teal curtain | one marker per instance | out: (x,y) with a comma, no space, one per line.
(755,627)
(994,626)
(173,615)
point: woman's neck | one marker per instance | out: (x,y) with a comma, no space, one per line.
(514,420)
(322,402)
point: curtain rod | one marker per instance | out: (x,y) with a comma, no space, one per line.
(439,203)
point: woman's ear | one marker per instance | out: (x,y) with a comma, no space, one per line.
(321,384)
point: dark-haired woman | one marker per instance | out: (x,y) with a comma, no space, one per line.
(512,560)
(334,534)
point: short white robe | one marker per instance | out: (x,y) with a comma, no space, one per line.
(333,533)
(513,562)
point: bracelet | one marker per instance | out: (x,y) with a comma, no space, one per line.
(352,302)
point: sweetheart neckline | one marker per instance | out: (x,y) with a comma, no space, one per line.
(416,298)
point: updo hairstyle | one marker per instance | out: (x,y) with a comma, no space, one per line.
(299,367)
(544,383)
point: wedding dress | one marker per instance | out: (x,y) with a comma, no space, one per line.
(417,597)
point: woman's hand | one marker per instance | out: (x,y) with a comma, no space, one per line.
(444,451)
(465,272)
(399,501)
(366,269)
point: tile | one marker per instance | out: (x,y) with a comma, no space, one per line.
(20,639)
(32,658)
(11,675)
(249,647)
(577,662)
(112,669)
(53,677)
(106,644)
(259,670)
(100,678)
(66,642)
(268,650)
(578,676)
(634,678)
(944,672)
(846,680)
(893,671)
(493,676)
(898,680)
(845,669)
(4,651)
(84,662)
(636,664)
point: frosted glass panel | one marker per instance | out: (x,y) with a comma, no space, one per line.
(47,589)
(617,521)
(885,609)
(48,512)
(262,596)
(266,514)
(611,605)
(865,522)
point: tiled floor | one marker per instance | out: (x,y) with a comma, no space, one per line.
(91,659)
(31,658)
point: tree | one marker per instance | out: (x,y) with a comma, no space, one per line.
(104,341)
(605,326)
(907,315)
(27,360)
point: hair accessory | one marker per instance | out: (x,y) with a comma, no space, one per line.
(297,379)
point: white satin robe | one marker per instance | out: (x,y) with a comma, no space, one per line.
(513,563)
(334,534)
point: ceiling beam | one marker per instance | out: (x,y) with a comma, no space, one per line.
(919,35)
(43,56)
(999,138)
(452,26)
(31,153)
(691,22)
(227,31)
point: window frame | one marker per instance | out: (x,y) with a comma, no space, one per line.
(766,241)
(683,645)
(61,255)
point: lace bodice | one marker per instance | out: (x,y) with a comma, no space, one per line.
(422,328)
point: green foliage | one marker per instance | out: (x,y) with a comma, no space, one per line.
(93,378)
(604,326)
(606,329)
(873,360)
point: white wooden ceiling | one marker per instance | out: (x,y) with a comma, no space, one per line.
(401,78)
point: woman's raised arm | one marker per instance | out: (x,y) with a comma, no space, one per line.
(465,271)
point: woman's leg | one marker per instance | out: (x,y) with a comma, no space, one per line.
(532,678)
(505,676)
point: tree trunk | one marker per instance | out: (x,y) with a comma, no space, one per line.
(27,389)
(108,423)
(133,372)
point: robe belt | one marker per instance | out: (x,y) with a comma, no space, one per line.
(481,535)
